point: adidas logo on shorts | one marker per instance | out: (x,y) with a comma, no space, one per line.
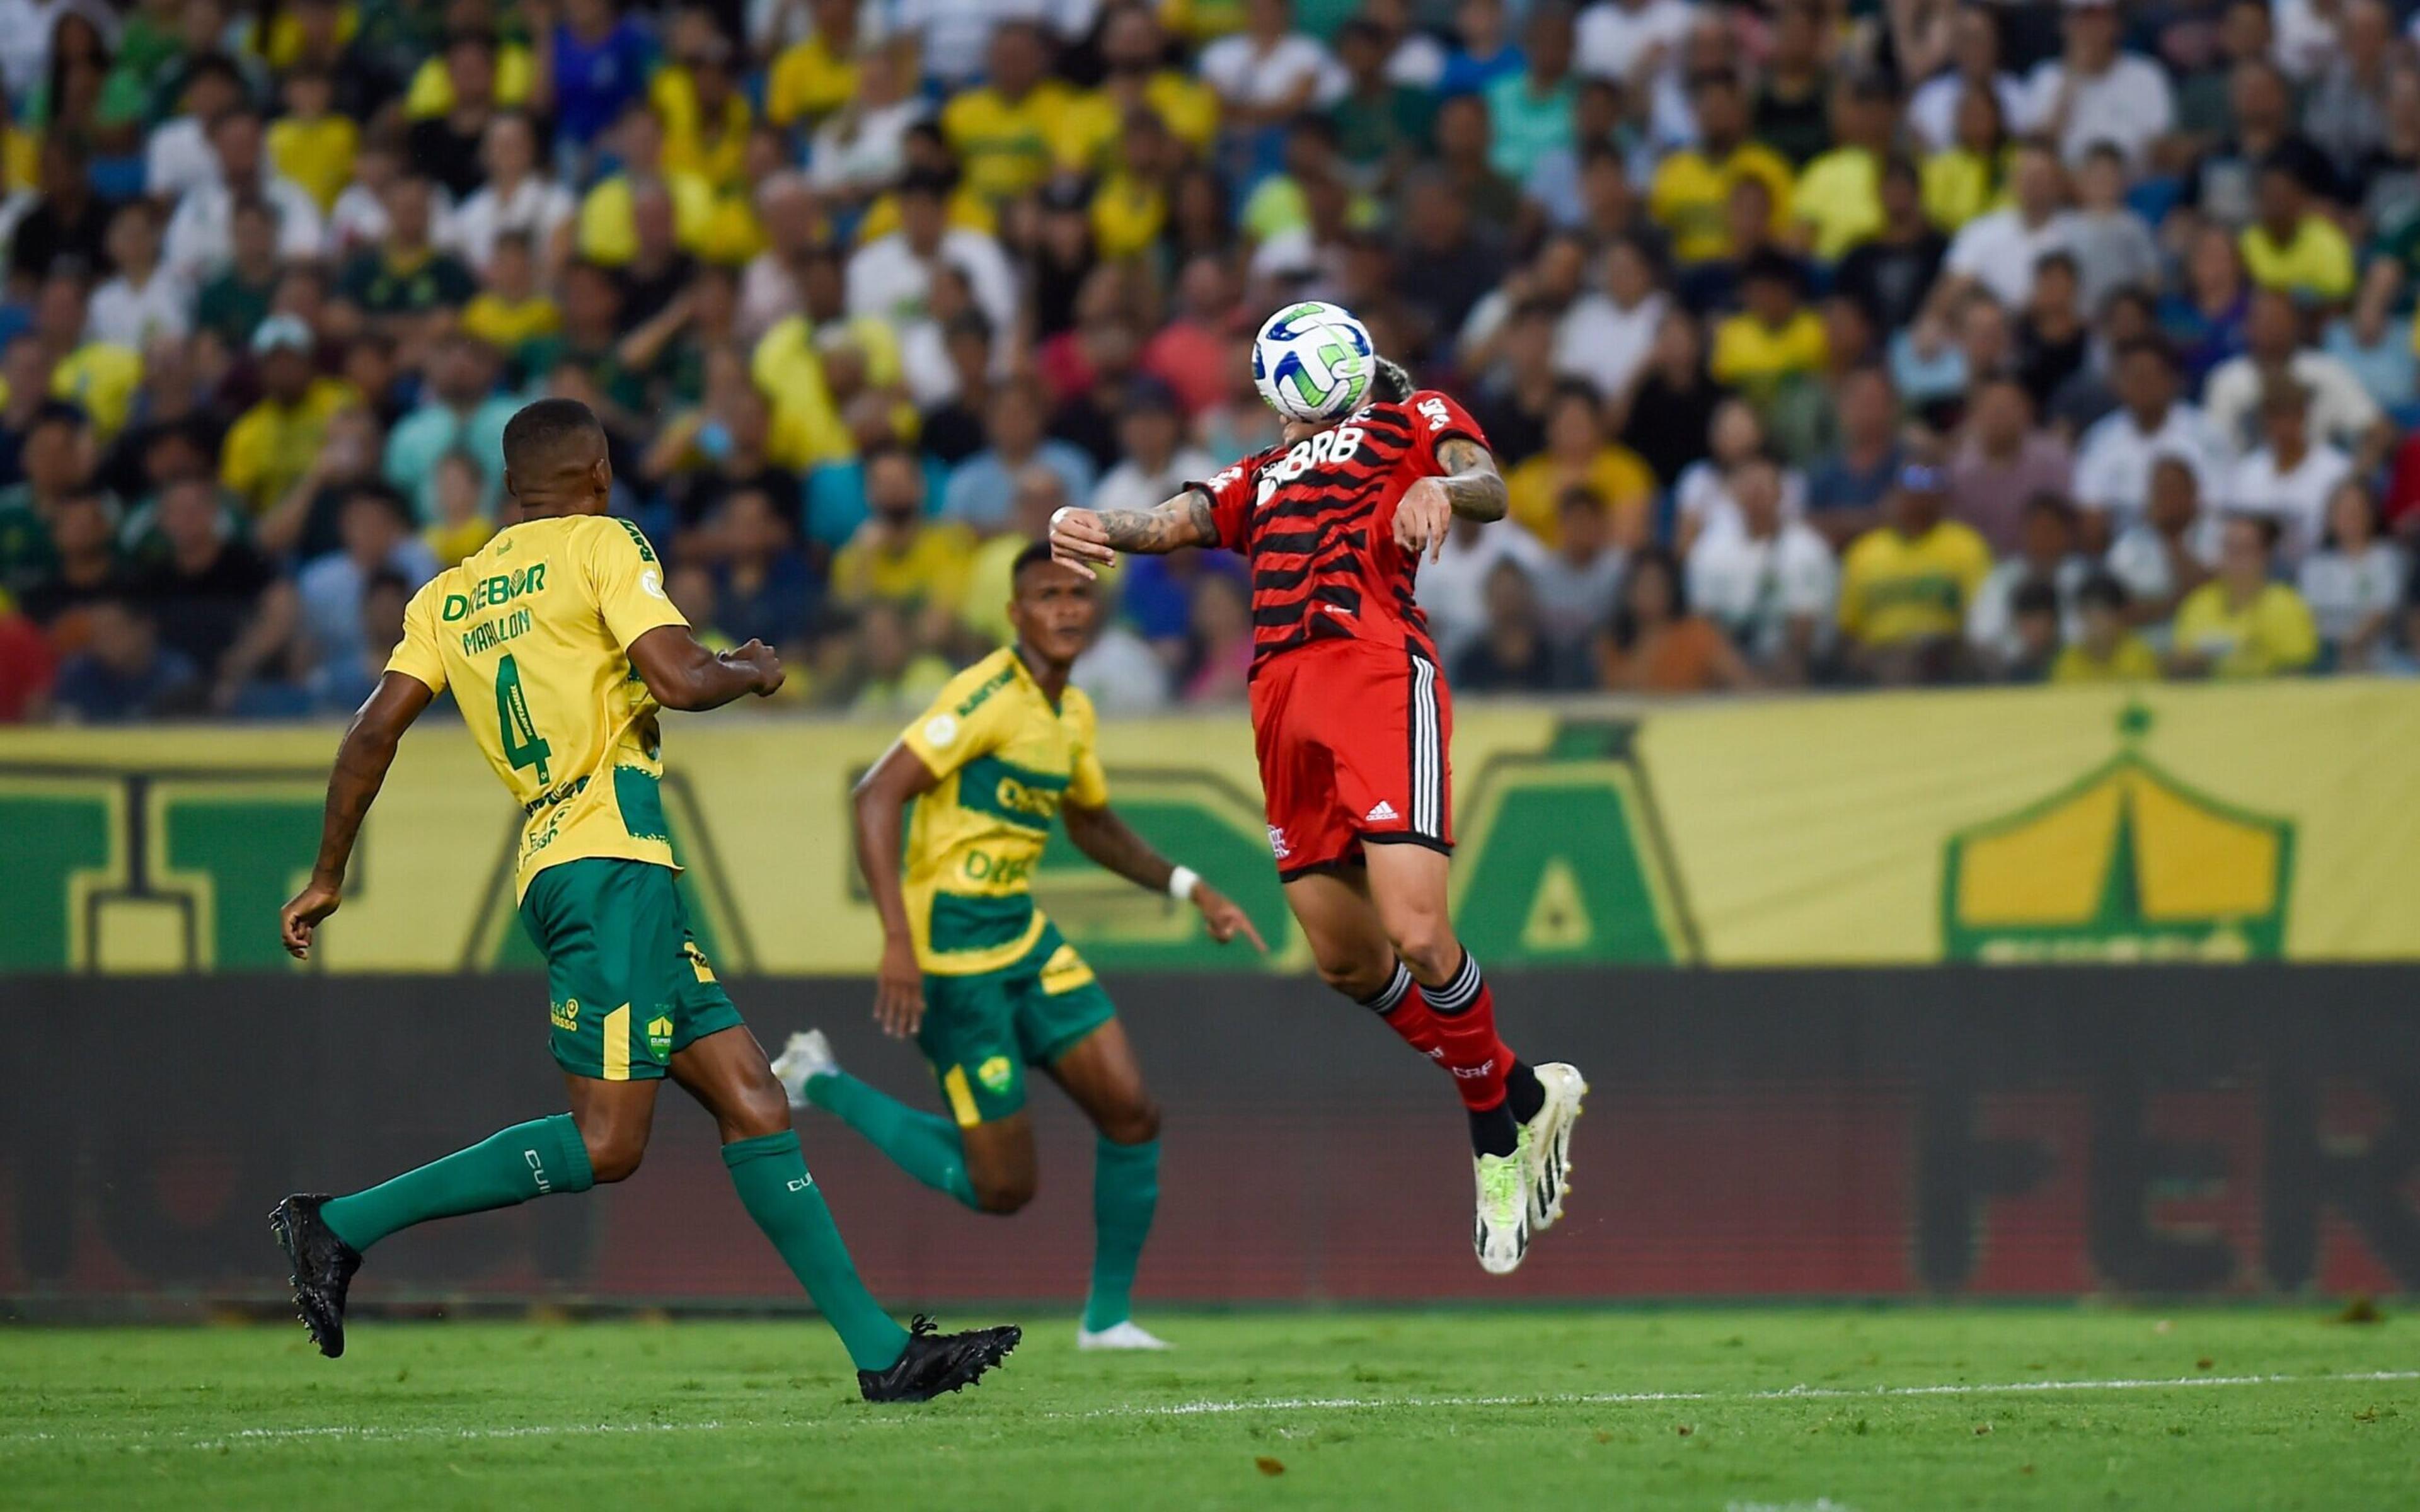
(1383,811)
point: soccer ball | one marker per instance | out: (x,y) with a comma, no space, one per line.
(1313,361)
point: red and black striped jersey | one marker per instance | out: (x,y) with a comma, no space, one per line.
(1317,521)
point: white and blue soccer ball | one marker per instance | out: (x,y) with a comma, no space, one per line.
(1313,361)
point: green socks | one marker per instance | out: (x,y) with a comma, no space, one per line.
(512,1166)
(774,1187)
(1126,1189)
(924,1144)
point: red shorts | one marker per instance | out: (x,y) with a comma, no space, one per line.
(1352,738)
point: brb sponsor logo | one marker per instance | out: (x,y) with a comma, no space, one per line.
(1327,448)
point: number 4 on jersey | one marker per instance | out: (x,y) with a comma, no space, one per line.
(522,745)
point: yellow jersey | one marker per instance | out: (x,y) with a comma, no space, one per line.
(808,80)
(1008,146)
(1895,590)
(1690,196)
(532,633)
(2130,660)
(2272,635)
(2318,264)
(1752,355)
(271,445)
(1006,759)
(316,154)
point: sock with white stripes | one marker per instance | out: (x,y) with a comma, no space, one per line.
(1407,1012)
(1467,1046)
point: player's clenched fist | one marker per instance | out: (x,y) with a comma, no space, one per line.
(302,913)
(764,661)
(1077,540)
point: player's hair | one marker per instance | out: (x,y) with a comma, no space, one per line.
(541,426)
(1393,383)
(1034,554)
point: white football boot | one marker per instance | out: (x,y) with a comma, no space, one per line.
(805,1057)
(1546,1141)
(1127,1335)
(1502,1234)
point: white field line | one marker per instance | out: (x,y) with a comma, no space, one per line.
(250,1437)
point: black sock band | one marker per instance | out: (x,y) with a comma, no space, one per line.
(1523,1092)
(1387,997)
(1460,990)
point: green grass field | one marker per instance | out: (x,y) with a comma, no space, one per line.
(1473,1410)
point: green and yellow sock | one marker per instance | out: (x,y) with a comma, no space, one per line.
(771,1175)
(924,1144)
(1125,1190)
(529,1159)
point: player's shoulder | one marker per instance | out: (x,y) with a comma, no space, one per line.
(1076,704)
(1436,413)
(979,687)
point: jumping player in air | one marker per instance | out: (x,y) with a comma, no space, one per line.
(1352,721)
(972,969)
(561,647)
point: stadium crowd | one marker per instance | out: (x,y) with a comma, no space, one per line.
(1820,341)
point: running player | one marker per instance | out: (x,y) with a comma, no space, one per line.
(972,969)
(560,647)
(1351,720)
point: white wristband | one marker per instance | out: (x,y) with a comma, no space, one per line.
(1181,882)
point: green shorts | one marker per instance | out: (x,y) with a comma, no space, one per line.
(981,1031)
(626,987)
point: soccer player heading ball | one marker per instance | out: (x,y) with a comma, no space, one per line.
(561,648)
(1352,721)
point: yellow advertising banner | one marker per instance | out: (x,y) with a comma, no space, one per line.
(2155,824)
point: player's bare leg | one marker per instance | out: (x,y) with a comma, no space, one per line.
(1100,1073)
(727,1074)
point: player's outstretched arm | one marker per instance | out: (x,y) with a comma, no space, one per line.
(1112,843)
(1081,538)
(882,795)
(683,674)
(1469,488)
(353,785)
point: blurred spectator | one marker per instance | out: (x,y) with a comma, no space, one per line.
(312,143)
(1890,272)
(343,684)
(1772,585)
(897,556)
(1906,586)
(2288,479)
(2052,340)
(2112,464)
(273,443)
(2242,623)
(2093,92)
(1774,338)
(1844,492)
(2001,248)
(233,302)
(26,666)
(1691,192)
(215,601)
(595,64)
(67,220)
(1671,413)
(144,301)
(896,678)
(991,581)
(460,411)
(1578,455)
(2103,649)
(85,567)
(2291,245)
(1574,587)
(2341,413)
(123,672)
(891,276)
(982,486)
(2204,318)
(1703,495)
(2004,459)
(201,233)
(1510,656)
(1267,73)
(1654,644)
(764,591)
(1221,622)
(2354,581)
(56,458)
(2170,551)
(2046,555)
(513,198)
(375,532)
(1836,203)
(1974,68)
(458,522)
(1156,463)
(2111,246)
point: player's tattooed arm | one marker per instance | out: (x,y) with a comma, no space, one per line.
(1472,485)
(1082,538)
(1112,843)
(353,785)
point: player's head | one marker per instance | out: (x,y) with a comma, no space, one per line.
(1050,607)
(555,461)
(1390,382)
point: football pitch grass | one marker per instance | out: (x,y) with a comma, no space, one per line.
(1469,1409)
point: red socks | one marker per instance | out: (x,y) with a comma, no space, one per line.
(1454,1026)
(1407,1012)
